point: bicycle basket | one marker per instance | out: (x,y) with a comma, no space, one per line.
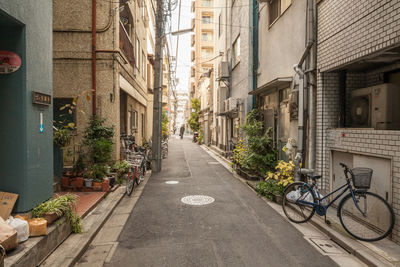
(362,177)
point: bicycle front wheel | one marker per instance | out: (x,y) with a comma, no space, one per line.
(129,184)
(296,211)
(372,220)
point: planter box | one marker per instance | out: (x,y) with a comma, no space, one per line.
(50,217)
(97,186)
(88,183)
(249,176)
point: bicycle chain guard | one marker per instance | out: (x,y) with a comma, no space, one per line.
(320,210)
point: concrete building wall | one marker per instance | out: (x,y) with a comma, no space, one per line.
(282,44)
(72,60)
(26,155)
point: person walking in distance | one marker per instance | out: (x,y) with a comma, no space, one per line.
(181,131)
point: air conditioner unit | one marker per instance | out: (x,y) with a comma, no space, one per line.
(231,104)
(375,107)
(223,70)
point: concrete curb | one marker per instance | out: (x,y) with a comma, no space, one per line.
(73,247)
(361,252)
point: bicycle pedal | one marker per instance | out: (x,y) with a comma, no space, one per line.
(328,222)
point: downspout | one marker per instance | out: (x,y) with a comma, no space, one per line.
(313,90)
(255,49)
(298,161)
(94,57)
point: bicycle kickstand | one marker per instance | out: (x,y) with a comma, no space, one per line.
(328,222)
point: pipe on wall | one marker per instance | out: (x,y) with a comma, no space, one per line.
(94,85)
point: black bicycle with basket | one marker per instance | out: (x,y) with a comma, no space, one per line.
(364,215)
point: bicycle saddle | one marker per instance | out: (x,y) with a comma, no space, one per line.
(314,176)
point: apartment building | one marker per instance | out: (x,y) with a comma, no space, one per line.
(358,122)
(203,56)
(107,70)
(282,41)
(234,74)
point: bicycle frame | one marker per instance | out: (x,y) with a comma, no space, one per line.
(321,209)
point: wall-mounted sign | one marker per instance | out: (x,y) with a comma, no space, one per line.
(9,62)
(41,99)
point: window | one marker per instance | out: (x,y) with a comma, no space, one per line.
(206,19)
(63,114)
(143,125)
(133,119)
(143,65)
(276,8)
(206,3)
(206,36)
(206,53)
(137,53)
(219,24)
(236,51)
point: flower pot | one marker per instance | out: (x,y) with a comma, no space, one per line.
(50,217)
(64,181)
(88,182)
(79,182)
(97,186)
(105,186)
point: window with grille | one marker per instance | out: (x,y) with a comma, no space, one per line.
(206,19)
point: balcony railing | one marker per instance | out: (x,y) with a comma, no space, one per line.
(126,45)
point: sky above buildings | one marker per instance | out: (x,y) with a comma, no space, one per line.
(184,46)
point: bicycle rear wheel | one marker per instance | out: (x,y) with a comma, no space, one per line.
(129,184)
(138,175)
(377,221)
(295,211)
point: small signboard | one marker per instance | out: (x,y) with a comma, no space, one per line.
(9,62)
(41,99)
(7,202)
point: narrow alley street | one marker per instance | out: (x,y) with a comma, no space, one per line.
(237,229)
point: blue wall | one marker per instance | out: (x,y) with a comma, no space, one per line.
(26,155)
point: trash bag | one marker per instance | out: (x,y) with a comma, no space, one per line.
(293,196)
(8,236)
(21,226)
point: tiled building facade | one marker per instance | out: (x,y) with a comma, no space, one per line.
(358,47)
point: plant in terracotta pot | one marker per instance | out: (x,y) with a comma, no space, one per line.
(57,206)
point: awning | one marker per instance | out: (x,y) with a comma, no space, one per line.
(275,84)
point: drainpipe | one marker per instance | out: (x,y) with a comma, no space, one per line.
(298,161)
(94,57)
(312,86)
(255,49)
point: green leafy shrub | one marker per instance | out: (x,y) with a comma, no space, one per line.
(96,172)
(239,153)
(194,115)
(261,154)
(62,137)
(164,125)
(269,188)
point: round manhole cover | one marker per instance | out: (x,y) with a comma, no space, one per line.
(172,182)
(197,200)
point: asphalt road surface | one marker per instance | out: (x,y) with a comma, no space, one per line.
(237,229)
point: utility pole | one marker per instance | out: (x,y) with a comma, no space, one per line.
(158,74)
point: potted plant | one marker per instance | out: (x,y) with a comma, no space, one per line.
(105,186)
(283,176)
(121,168)
(61,139)
(54,208)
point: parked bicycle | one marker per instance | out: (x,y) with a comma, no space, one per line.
(136,172)
(364,215)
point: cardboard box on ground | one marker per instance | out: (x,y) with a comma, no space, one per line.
(8,235)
